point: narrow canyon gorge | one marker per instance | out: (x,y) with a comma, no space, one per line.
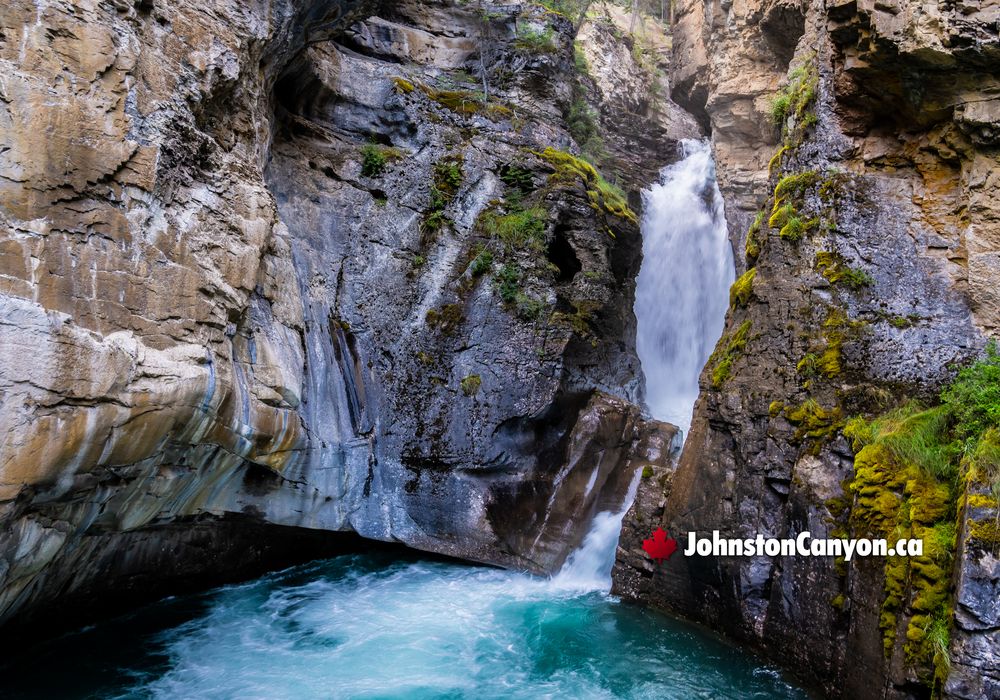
(288,280)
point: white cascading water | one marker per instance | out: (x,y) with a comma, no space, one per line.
(682,291)
(589,567)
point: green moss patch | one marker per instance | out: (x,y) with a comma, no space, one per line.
(730,348)
(754,241)
(910,466)
(742,288)
(602,194)
(835,269)
(813,421)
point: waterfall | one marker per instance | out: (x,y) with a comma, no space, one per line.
(680,303)
(682,289)
(589,567)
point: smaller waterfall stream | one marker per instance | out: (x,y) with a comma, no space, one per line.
(589,567)
(682,291)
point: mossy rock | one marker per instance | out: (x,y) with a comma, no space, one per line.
(403,86)
(603,196)
(447,319)
(729,349)
(742,288)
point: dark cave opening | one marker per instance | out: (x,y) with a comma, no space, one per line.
(562,255)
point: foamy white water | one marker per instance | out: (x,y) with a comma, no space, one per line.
(393,627)
(589,567)
(682,290)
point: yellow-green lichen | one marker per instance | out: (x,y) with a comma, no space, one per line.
(753,244)
(603,196)
(729,349)
(742,288)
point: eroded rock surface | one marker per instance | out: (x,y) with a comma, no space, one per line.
(319,265)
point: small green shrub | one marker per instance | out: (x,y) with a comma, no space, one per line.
(509,281)
(517,177)
(974,396)
(808,366)
(482,263)
(779,107)
(528,308)
(581,122)
(580,59)
(471,384)
(536,41)
(448,174)
(373,160)
(447,179)
(518,229)
(795,99)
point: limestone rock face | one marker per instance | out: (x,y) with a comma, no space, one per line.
(300,265)
(868,216)
(627,84)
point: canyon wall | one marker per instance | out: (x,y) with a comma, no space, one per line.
(857,151)
(305,267)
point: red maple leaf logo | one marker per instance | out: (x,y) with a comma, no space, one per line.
(660,547)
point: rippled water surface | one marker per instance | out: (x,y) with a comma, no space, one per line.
(373,626)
